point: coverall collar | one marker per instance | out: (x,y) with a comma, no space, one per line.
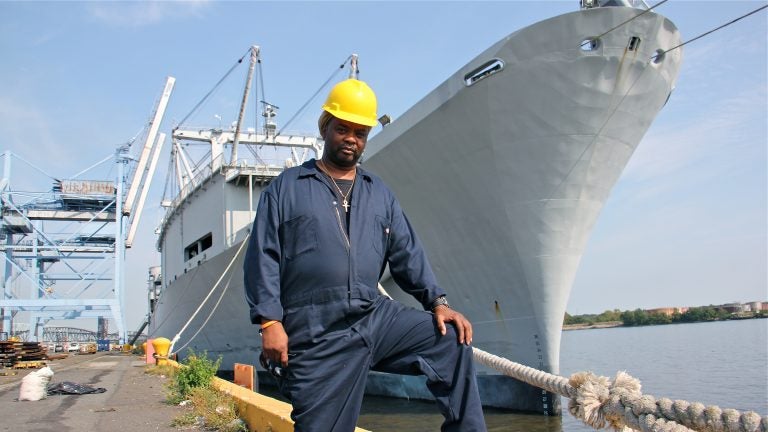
(309,168)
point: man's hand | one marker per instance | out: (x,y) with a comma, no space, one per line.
(274,342)
(444,314)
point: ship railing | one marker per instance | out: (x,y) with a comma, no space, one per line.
(590,4)
(262,161)
(262,169)
(201,176)
(204,173)
(250,138)
(265,163)
(300,134)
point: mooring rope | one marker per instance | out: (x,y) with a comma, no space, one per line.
(619,404)
(224,273)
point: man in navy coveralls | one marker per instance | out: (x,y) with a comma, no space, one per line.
(323,234)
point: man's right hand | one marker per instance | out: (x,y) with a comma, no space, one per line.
(274,342)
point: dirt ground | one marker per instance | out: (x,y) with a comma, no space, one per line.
(133,399)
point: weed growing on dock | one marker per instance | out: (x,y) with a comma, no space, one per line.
(166,371)
(190,385)
(197,371)
(211,410)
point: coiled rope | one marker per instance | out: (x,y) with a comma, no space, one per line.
(619,405)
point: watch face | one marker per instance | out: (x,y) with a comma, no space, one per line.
(440,301)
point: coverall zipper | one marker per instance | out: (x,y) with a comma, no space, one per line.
(349,251)
(341,227)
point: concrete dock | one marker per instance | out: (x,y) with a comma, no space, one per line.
(133,400)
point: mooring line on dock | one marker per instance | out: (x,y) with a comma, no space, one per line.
(205,300)
(619,404)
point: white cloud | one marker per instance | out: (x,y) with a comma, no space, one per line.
(723,135)
(715,117)
(145,13)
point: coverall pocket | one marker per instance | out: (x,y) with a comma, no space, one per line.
(381,233)
(299,236)
(302,324)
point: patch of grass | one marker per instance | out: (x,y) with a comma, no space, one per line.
(197,371)
(185,420)
(164,370)
(208,408)
(215,410)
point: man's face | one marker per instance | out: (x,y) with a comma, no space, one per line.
(344,142)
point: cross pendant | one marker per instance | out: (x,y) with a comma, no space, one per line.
(345,204)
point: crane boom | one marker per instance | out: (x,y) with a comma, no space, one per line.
(141,168)
(136,216)
(249,78)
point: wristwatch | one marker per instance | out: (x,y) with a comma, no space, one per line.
(440,301)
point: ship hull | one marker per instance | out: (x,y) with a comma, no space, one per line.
(222,327)
(503,180)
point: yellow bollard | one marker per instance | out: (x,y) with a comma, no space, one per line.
(144,348)
(161,346)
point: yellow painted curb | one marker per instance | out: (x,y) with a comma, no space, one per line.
(261,413)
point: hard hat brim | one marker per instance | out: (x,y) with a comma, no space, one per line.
(350,117)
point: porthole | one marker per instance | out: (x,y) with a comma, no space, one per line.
(634,43)
(590,44)
(483,71)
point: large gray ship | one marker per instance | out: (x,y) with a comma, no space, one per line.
(502,169)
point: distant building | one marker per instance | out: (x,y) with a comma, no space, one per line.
(733,307)
(668,311)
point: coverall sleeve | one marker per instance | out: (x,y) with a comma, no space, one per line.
(408,263)
(261,269)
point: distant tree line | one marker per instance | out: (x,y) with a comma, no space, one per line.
(639,317)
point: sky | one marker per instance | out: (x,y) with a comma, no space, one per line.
(685,225)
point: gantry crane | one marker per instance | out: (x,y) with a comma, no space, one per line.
(64,249)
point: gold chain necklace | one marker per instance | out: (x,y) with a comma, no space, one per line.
(345,202)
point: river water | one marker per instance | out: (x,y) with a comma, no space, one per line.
(718,363)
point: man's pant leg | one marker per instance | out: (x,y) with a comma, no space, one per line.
(326,384)
(407,342)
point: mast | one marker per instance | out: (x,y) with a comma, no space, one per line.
(353,71)
(251,67)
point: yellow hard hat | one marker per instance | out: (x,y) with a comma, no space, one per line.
(352,100)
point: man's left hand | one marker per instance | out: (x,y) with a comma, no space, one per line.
(444,314)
